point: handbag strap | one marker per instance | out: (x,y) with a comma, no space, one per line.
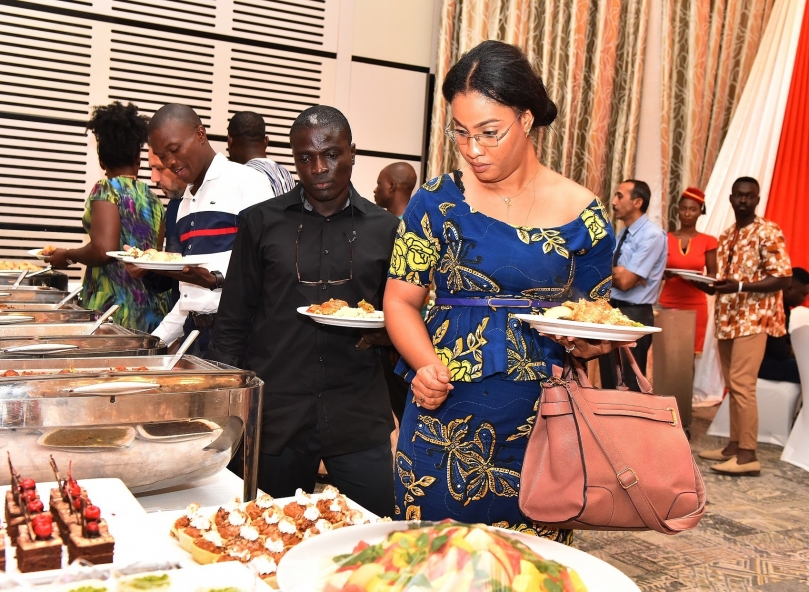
(629,479)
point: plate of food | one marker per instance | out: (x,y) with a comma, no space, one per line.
(42,253)
(690,274)
(338,313)
(155,260)
(442,556)
(260,533)
(7,266)
(588,320)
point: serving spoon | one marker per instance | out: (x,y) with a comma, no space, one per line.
(68,298)
(110,311)
(182,349)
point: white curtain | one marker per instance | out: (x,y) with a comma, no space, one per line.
(749,149)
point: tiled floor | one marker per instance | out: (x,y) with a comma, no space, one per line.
(754,536)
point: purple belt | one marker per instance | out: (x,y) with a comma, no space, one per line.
(493,302)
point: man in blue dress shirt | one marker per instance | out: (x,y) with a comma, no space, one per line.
(637,270)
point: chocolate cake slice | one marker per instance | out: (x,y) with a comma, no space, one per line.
(97,549)
(2,549)
(38,555)
(61,511)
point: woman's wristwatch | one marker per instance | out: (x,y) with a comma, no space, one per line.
(741,287)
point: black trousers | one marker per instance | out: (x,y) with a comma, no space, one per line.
(200,346)
(365,476)
(780,370)
(642,313)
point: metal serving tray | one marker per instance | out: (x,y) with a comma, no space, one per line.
(147,408)
(39,294)
(14,306)
(50,316)
(61,329)
(111,341)
(123,374)
(52,279)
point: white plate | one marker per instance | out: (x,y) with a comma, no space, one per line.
(586,330)
(37,253)
(117,254)
(134,541)
(343,322)
(164,265)
(11,319)
(307,563)
(689,274)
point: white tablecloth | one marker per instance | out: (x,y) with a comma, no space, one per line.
(212,491)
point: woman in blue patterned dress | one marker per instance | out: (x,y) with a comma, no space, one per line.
(502,236)
(120,210)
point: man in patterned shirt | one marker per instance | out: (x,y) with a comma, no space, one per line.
(247,145)
(753,269)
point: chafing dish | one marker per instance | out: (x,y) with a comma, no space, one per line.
(60,329)
(108,340)
(52,279)
(39,315)
(166,428)
(39,294)
(8,306)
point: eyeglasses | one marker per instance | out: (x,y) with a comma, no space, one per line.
(350,251)
(485,140)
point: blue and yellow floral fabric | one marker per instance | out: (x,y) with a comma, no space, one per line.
(463,460)
(470,255)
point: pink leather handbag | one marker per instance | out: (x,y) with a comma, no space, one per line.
(609,459)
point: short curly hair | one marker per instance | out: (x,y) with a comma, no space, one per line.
(120,133)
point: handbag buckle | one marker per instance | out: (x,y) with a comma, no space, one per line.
(673,416)
(627,470)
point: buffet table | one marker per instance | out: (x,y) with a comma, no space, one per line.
(211,491)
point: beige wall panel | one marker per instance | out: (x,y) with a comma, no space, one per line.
(394,30)
(386,109)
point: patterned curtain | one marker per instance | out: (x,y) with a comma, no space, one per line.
(708,51)
(590,56)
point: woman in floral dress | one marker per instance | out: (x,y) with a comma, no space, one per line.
(503,236)
(120,210)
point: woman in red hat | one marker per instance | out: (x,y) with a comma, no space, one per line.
(694,251)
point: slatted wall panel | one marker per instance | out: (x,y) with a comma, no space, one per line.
(301,23)
(191,14)
(58,58)
(151,70)
(278,86)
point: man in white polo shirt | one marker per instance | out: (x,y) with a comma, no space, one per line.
(218,192)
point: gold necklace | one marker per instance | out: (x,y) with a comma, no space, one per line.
(508,200)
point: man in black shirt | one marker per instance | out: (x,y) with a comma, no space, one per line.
(325,395)
(779,363)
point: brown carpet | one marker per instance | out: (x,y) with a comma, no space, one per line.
(754,535)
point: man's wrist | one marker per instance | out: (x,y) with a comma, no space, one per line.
(219,280)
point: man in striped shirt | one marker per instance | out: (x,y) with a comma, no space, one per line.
(218,193)
(247,145)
